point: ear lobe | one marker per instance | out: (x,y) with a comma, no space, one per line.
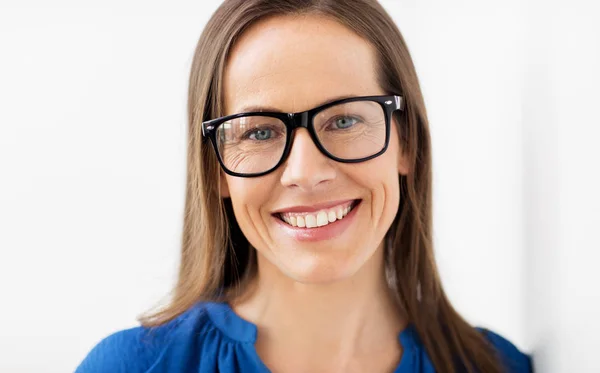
(223,187)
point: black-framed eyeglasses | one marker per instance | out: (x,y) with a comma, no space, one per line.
(349,130)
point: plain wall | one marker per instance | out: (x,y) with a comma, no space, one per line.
(562,207)
(92,168)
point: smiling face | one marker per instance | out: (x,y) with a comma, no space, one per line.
(295,63)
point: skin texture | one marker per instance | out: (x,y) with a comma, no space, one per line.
(319,306)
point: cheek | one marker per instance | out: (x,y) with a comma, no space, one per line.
(246,195)
(381,178)
(249,198)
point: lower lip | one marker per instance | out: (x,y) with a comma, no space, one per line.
(325,232)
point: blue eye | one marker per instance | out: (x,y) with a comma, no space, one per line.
(344,122)
(260,135)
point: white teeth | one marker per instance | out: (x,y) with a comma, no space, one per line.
(319,219)
(300,222)
(322,219)
(311,221)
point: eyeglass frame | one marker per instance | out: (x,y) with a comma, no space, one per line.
(304,119)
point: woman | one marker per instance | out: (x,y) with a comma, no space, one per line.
(307,243)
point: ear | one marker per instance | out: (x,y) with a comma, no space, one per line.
(403,167)
(403,164)
(223,187)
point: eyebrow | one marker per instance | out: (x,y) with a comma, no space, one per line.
(263,108)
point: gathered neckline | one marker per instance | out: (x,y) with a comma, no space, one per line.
(240,330)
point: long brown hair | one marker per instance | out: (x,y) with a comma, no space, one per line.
(216,259)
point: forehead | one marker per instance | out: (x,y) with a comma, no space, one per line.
(294,63)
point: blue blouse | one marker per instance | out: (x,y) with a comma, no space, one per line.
(211,337)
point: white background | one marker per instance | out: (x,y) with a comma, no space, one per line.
(92,162)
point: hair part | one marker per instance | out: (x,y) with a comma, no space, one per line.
(217,263)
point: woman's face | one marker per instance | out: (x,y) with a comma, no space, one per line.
(292,64)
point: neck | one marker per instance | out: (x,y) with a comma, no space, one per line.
(338,321)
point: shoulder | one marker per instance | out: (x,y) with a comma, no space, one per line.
(514,360)
(138,349)
(123,351)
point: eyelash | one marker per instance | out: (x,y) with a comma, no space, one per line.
(246,135)
(328,123)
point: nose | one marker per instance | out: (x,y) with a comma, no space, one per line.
(306,167)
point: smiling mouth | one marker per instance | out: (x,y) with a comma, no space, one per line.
(319,218)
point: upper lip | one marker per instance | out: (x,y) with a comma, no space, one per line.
(313,208)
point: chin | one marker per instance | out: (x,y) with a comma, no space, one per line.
(315,271)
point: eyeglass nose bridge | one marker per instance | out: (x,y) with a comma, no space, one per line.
(298,120)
